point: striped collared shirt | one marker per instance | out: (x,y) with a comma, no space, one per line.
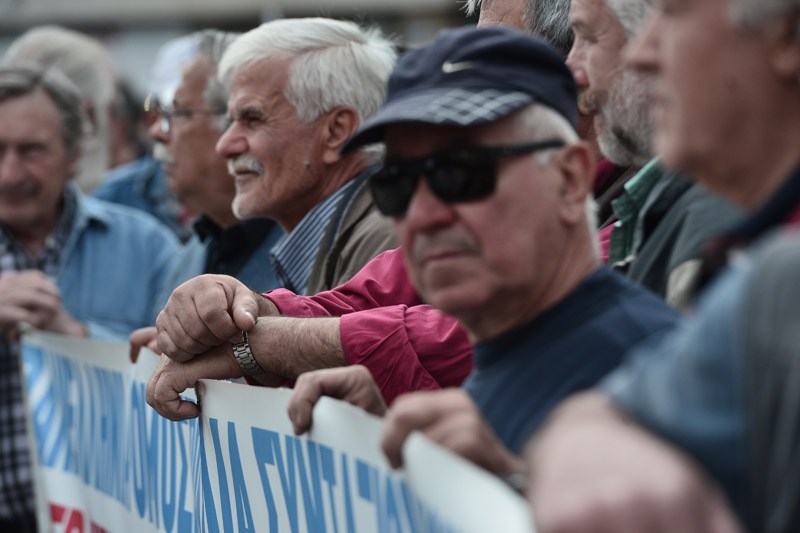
(293,256)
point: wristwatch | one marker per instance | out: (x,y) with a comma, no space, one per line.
(244,356)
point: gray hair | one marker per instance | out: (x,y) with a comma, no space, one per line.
(540,122)
(212,44)
(334,63)
(548,19)
(21,80)
(631,13)
(87,64)
(752,14)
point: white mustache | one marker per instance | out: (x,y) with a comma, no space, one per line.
(161,153)
(245,163)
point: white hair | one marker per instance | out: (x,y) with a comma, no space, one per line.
(334,63)
(631,13)
(753,14)
(548,19)
(88,65)
(212,44)
(540,122)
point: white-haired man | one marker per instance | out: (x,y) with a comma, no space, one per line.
(186,133)
(299,88)
(490,204)
(88,65)
(723,387)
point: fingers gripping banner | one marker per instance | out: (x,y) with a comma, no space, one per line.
(105,461)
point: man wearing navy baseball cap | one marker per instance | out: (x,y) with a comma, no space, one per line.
(490,192)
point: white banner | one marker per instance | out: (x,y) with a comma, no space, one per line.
(105,461)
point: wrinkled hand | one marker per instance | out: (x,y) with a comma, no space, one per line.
(143,338)
(32,297)
(451,419)
(206,312)
(352,384)
(592,471)
(171,378)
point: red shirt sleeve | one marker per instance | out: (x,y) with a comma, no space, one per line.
(383,281)
(406,345)
(407,348)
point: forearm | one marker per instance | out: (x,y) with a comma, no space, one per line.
(289,346)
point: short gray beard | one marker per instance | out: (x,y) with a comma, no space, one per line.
(626,137)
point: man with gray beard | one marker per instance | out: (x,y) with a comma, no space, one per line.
(662,219)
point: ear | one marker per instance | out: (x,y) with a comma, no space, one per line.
(784,46)
(574,162)
(338,126)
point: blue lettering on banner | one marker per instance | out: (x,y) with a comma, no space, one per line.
(243,513)
(224,496)
(119,447)
(138,463)
(158,465)
(207,519)
(76,427)
(185,522)
(263,448)
(124,450)
(348,499)
(169,439)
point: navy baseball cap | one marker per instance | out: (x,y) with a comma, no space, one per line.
(471,76)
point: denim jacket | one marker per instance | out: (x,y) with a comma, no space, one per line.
(113,267)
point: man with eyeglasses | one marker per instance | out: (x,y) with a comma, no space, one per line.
(142,183)
(489,189)
(185,134)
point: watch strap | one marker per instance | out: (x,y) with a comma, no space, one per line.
(244,356)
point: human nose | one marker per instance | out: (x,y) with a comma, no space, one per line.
(11,168)
(157,131)
(642,52)
(576,61)
(231,144)
(426,211)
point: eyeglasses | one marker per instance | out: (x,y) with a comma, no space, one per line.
(151,104)
(461,175)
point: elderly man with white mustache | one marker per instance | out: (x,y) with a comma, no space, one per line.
(299,88)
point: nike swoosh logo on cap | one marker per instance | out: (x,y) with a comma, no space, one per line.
(449,67)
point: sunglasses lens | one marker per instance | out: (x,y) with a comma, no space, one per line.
(392,190)
(463,179)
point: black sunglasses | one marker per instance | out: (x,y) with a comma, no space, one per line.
(461,175)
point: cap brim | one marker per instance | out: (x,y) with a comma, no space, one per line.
(440,106)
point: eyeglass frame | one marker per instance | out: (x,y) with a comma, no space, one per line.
(165,113)
(423,166)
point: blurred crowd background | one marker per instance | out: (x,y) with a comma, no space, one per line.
(133,31)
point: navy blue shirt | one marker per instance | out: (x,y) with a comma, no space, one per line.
(522,374)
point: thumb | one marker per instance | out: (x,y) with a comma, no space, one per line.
(245,308)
